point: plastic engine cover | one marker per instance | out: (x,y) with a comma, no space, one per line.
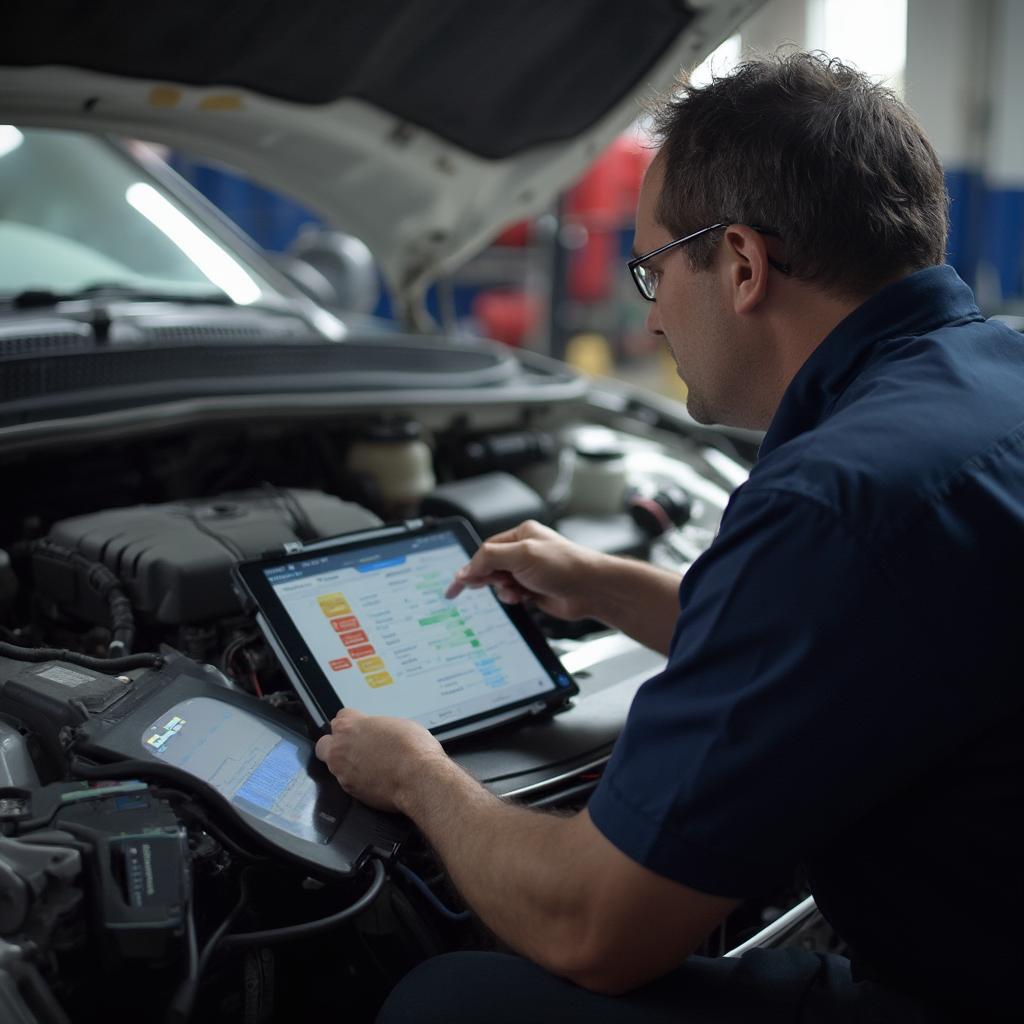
(175,559)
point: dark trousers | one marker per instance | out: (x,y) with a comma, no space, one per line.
(764,987)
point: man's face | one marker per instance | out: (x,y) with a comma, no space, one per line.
(690,313)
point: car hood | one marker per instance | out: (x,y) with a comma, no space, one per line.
(422,128)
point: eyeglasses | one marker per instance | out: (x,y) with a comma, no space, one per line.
(646,278)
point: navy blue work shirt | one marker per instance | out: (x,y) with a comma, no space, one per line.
(845,686)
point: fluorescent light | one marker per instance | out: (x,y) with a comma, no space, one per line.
(869,34)
(718,63)
(217,264)
(10,139)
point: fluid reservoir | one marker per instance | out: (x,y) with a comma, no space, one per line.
(395,456)
(601,474)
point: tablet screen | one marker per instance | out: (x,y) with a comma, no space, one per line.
(261,769)
(378,627)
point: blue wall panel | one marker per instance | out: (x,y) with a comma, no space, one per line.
(1003,237)
(269,218)
(967,202)
(986,225)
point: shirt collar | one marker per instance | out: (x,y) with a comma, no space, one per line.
(914,305)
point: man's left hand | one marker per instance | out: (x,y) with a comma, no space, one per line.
(375,758)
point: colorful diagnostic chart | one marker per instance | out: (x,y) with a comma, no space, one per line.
(360,651)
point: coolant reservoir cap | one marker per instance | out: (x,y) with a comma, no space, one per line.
(599,452)
(597,445)
(394,430)
(600,455)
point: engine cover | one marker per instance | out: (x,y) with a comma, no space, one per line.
(175,559)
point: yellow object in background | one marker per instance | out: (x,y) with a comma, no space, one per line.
(221,101)
(376,679)
(370,664)
(591,354)
(164,96)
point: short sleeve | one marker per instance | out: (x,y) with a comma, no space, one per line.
(797,694)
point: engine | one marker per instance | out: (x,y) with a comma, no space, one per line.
(133,574)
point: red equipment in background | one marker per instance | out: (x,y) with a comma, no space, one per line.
(603,204)
(596,211)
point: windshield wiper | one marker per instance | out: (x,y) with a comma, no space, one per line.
(40,298)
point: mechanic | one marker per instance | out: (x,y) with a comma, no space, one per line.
(842,692)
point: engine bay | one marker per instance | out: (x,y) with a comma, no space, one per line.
(148,530)
(116,559)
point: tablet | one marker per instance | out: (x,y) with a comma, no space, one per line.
(361,621)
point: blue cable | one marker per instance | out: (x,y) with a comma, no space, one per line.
(428,894)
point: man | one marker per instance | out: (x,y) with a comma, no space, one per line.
(842,690)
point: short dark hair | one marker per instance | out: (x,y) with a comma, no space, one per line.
(814,149)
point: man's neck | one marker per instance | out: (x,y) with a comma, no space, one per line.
(796,330)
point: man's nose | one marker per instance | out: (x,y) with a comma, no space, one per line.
(653,322)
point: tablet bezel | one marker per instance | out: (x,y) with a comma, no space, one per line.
(303,669)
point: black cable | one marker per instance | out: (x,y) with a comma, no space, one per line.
(303,526)
(103,582)
(185,997)
(431,897)
(108,666)
(323,924)
(229,653)
(190,985)
(227,543)
(239,643)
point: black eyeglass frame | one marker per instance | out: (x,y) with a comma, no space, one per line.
(633,264)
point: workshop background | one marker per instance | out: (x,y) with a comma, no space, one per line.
(556,283)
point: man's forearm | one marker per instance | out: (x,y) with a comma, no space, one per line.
(638,598)
(508,862)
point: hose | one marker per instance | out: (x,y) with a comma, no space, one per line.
(108,666)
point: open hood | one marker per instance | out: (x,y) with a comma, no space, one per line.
(422,128)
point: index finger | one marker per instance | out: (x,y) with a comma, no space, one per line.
(486,561)
(492,563)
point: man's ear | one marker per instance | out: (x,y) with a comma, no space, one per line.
(747,267)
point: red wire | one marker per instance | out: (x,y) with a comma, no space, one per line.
(254,679)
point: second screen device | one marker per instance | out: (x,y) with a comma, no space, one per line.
(252,762)
(362,622)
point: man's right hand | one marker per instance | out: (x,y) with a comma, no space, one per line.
(532,562)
